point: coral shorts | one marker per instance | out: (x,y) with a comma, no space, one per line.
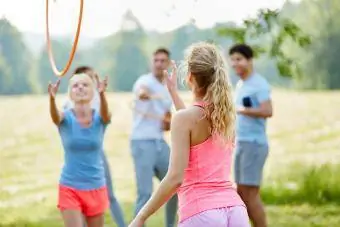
(89,202)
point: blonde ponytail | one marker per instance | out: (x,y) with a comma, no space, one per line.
(220,108)
(207,65)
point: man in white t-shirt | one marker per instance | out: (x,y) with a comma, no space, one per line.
(150,151)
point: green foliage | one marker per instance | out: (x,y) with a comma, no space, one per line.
(5,75)
(285,54)
(45,73)
(313,184)
(321,66)
(125,74)
(15,62)
(269,25)
(237,34)
(130,60)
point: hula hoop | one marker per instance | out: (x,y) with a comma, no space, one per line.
(74,46)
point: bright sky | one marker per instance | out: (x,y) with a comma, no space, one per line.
(102,17)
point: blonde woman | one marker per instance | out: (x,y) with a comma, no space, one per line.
(201,152)
(115,208)
(82,186)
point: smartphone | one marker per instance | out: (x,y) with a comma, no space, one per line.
(247,102)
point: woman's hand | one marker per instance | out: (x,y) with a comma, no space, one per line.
(171,80)
(102,84)
(56,116)
(104,108)
(53,88)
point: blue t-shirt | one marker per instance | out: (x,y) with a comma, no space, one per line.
(251,129)
(83,168)
(144,127)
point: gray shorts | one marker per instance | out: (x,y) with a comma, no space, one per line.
(250,158)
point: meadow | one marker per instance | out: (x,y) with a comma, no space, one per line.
(301,184)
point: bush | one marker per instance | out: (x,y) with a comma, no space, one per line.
(314,185)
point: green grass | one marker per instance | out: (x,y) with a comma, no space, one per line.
(315,185)
(292,216)
(301,176)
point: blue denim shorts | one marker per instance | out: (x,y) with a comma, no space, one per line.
(249,161)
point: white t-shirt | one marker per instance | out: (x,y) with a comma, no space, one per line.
(144,127)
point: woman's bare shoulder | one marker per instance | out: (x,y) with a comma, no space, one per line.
(189,116)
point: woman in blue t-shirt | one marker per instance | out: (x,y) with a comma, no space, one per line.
(115,208)
(82,187)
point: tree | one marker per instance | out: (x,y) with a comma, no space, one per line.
(17,59)
(61,54)
(5,76)
(130,61)
(182,38)
(268,27)
(319,18)
(190,33)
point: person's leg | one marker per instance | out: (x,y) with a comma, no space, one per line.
(84,221)
(238,217)
(252,199)
(252,160)
(72,218)
(116,211)
(94,202)
(162,164)
(70,207)
(95,221)
(143,153)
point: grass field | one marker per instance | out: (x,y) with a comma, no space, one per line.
(301,176)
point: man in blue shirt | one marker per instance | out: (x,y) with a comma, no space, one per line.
(150,152)
(253,103)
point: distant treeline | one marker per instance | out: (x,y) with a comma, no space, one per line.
(125,55)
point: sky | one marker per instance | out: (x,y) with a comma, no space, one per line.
(103,17)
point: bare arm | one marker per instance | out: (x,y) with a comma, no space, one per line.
(104,108)
(56,116)
(143,93)
(265,110)
(171,81)
(180,144)
(178,102)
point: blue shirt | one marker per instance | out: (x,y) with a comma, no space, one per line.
(83,168)
(144,127)
(251,129)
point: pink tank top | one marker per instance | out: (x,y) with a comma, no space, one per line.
(207,183)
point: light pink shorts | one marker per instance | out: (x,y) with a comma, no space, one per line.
(223,217)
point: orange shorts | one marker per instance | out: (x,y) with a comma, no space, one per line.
(89,202)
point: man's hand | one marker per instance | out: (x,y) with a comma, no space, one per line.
(265,110)
(144,93)
(241,110)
